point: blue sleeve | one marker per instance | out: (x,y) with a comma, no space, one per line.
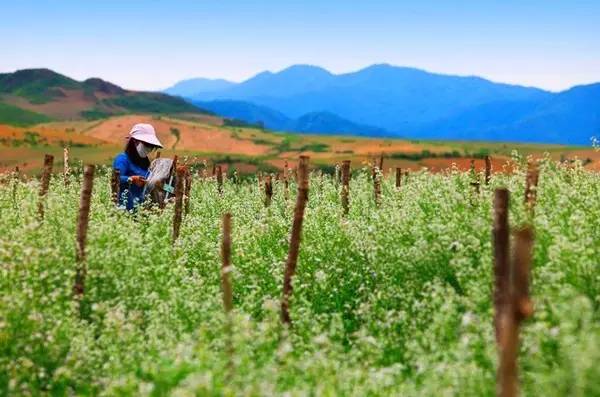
(121,163)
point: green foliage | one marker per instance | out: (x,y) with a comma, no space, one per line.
(95,114)
(151,103)
(394,300)
(425,154)
(16,116)
(229,122)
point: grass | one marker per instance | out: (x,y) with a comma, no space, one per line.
(394,300)
(13,115)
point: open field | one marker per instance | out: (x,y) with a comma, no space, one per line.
(388,300)
(248,149)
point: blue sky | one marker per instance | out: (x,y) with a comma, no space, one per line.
(553,44)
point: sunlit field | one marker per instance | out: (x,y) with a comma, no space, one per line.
(391,299)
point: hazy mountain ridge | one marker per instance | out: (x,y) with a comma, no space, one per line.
(414,103)
(315,122)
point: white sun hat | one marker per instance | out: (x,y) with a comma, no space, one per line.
(145,133)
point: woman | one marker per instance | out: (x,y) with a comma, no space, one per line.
(133,164)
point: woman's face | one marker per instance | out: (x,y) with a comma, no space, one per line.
(143,148)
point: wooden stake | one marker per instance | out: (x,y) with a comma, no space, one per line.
(381,162)
(531,182)
(377,187)
(219,179)
(45,183)
(178,202)
(188,189)
(501,255)
(346,186)
(16,180)
(66,170)
(114,185)
(398,177)
(268,190)
(82,228)
(488,170)
(292,260)
(286,194)
(518,309)
(226,263)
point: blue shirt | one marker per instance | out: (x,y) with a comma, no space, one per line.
(130,195)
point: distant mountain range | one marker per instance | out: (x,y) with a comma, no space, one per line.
(32,96)
(384,100)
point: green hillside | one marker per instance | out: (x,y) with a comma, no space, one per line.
(35,95)
(20,117)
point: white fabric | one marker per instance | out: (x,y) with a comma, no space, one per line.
(145,133)
(142,149)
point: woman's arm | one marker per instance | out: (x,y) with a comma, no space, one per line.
(122,165)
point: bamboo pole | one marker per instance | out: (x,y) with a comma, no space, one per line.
(226,263)
(292,260)
(115,182)
(178,202)
(45,183)
(82,229)
(66,169)
(488,170)
(398,177)
(518,309)
(501,255)
(346,186)
(268,190)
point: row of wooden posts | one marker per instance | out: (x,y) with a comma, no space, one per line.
(512,303)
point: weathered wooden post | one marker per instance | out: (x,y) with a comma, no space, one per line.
(346,186)
(82,228)
(292,260)
(268,190)
(66,169)
(115,182)
(227,290)
(381,163)
(519,307)
(488,170)
(16,180)
(45,183)
(178,202)
(398,177)
(226,263)
(531,182)
(219,179)
(500,236)
(188,189)
(286,194)
(377,186)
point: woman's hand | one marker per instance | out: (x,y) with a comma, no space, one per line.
(137,180)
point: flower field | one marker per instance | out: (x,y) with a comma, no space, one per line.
(391,299)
